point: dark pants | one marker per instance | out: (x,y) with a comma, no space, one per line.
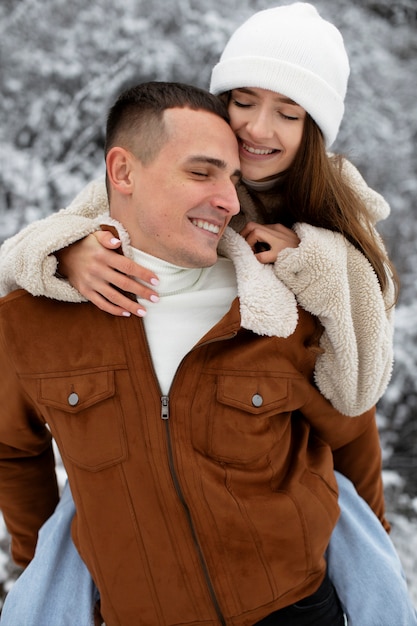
(322,608)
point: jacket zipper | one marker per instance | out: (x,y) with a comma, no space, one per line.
(174,475)
(165,417)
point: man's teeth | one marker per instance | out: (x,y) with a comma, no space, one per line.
(206,226)
(257,150)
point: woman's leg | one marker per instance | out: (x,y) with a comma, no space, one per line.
(56,587)
(364,566)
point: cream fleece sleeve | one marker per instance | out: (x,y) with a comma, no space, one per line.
(334,281)
(27,260)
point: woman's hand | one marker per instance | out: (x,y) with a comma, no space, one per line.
(94,267)
(268,240)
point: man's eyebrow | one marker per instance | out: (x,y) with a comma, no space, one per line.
(219,163)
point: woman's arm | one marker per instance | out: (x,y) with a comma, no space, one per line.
(104,277)
(335,282)
(29,260)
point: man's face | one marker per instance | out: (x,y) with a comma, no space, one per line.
(183,200)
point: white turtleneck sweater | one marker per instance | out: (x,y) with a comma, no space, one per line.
(191,302)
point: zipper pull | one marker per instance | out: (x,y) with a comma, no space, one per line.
(164,407)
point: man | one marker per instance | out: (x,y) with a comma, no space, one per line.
(202,493)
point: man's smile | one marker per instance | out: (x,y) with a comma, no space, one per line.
(204,225)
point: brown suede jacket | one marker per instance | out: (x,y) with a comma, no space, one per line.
(211,506)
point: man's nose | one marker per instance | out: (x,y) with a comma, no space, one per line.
(228,199)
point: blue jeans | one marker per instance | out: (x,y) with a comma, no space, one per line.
(56,588)
(364,566)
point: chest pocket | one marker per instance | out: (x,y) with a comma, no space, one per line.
(249,417)
(85,418)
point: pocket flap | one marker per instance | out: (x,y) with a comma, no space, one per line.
(253,394)
(74,393)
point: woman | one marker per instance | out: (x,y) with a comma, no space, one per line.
(339,271)
(283,74)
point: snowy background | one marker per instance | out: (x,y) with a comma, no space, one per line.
(62,63)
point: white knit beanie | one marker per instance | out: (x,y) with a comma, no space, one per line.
(293,51)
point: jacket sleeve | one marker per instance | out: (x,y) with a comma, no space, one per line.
(355,445)
(335,282)
(28,483)
(361,461)
(27,259)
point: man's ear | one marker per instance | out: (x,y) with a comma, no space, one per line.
(119,164)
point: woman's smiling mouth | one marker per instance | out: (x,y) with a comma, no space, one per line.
(256,151)
(252,150)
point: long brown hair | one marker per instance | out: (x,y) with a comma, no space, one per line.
(314,190)
(317,192)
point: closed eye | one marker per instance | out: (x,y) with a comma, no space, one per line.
(241,104)
(200,174)
(288,117)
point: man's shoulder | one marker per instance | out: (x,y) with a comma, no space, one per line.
(21,309)
(12,296)
(41,334)
(16,303)
(21,299)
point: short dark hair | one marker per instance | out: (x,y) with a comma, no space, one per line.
(135,121)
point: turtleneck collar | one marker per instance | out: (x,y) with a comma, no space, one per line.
(172,278)
(262,185)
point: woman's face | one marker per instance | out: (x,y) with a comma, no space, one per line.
(269,128)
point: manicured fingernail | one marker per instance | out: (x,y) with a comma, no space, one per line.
(141,312)
(126,314)
(154,281)
(154,298)
(114,240)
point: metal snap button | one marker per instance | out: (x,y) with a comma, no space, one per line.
(257,400)
(73,399)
